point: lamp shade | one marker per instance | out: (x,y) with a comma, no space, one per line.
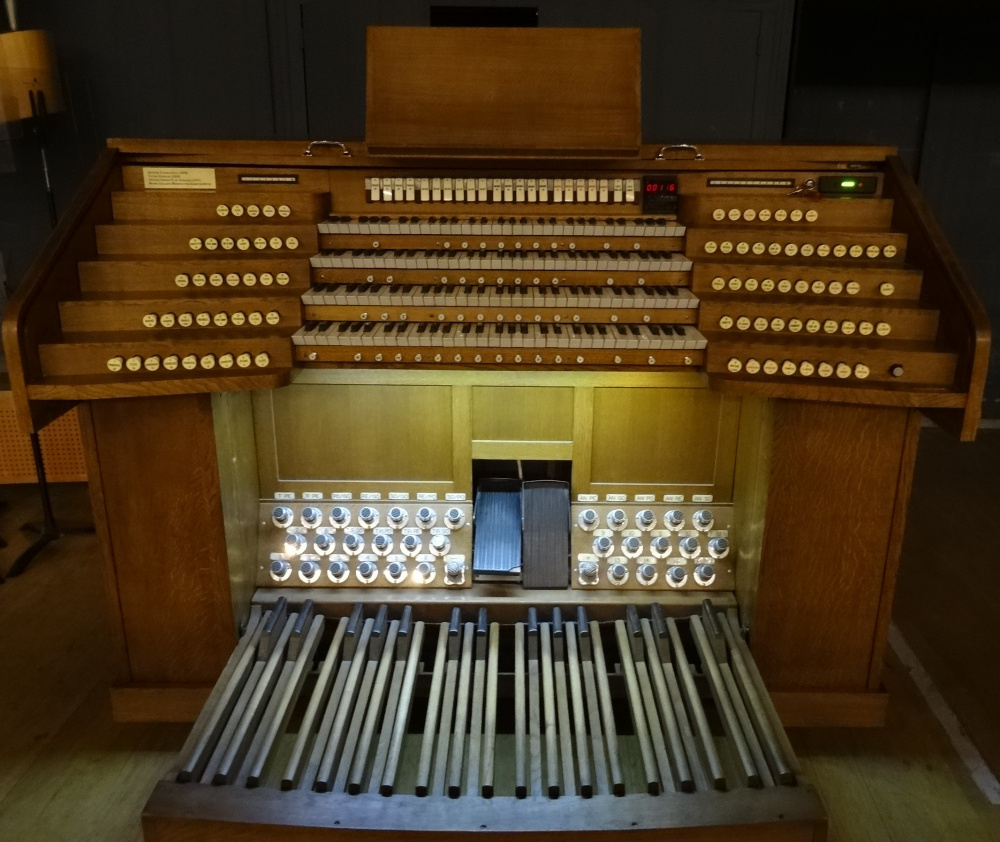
(27,63)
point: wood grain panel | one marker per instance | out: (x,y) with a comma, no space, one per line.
(160,487)
(835,472)
(518,89)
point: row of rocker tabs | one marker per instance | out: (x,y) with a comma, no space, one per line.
(496,190)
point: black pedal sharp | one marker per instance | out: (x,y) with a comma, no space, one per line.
(545,534)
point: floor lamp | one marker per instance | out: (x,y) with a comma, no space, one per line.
(29,92)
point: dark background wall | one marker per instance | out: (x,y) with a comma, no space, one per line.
(918,75)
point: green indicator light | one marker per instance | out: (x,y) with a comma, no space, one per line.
(848,184)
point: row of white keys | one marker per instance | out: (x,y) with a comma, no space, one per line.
(437,295)
(401,188)
(552,261)
(501,227)
(502,335)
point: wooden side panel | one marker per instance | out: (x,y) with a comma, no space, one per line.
(162,514)
(835,472)
(518,89)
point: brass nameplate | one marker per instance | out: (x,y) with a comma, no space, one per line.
(178,178)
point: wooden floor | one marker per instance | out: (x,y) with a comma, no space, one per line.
(67,772)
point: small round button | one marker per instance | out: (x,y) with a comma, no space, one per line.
(645,574)
(353,543)
(704,574)
(133,363)
(660,546)
(440,544)
(397,517)
(426,517)
(645,519)
(617,519)
(702,520)
(689,546)
(295,543)
(368,516)
(324,543)
(311,517)
(280,570)
(309,571)
(454,518)
(603,546)
(367,571)
(618,574)
(718,547)
(281,516)
(410,544)
(587,519)
(632,546)
(115,364)
(676,577)
(424,573)
(337,571)
(674,519)
(382,544)
(262,360)
(395,572)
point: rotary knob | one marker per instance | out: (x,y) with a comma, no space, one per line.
(632,546)
(368,517)
(618,574)
(617,519)
(588,572)
(367,571)
(309,571)
(295,543)
(440,544)
(587,519)
(324,543)
(395,572)
(281,516)
(337,571)
(718,547)
(660,546)
(340,516)
(410,544)
(689,546)
(676,577)
(353,543)
(702,520)
(674,519)
(280,570)
(646,574)
(645,519)
(704,574)
(454,573)
(454,518)
(311,517)
(426,517)
(397,517)
(424,573)
(382,544)
(603,545)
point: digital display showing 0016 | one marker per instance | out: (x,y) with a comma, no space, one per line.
(659,194)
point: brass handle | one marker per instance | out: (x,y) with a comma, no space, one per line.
(677,147)
(309,148)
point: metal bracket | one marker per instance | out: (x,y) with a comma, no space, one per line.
(806,188)
(309,148)
(677,147)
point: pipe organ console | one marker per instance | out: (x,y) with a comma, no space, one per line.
(550,475)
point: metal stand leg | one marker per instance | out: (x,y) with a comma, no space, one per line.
(50,529)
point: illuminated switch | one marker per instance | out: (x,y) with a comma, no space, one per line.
(447,190)
(387,189)
(629,190)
